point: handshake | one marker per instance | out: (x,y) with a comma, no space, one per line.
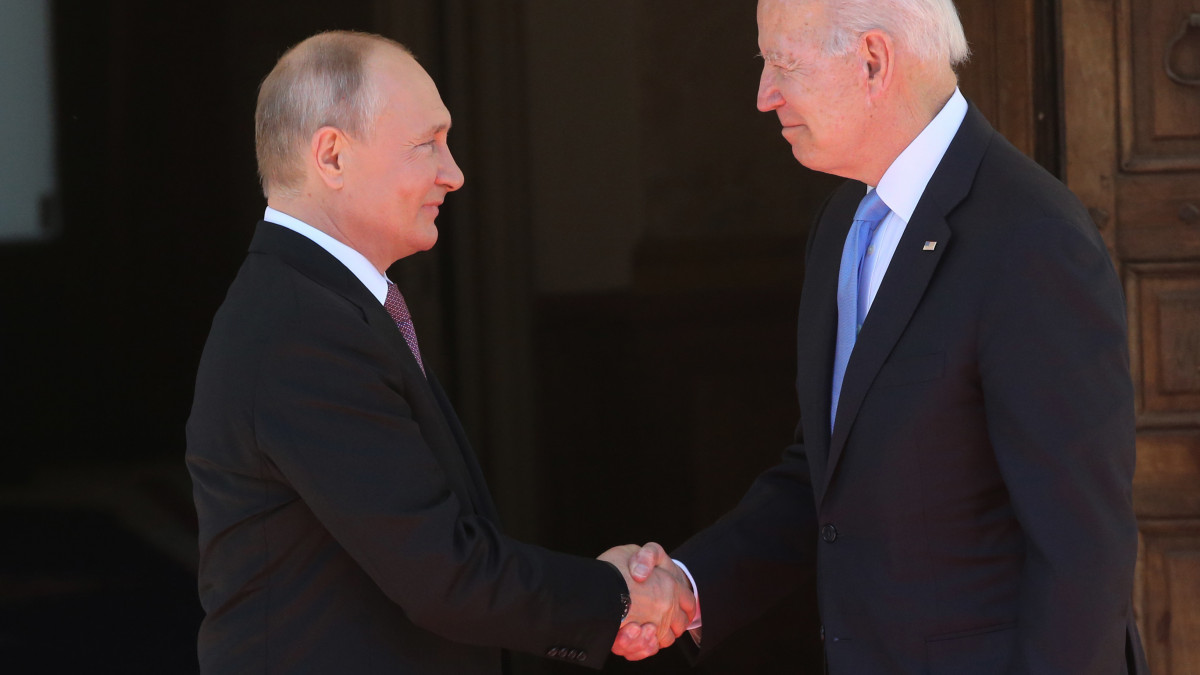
(662,603)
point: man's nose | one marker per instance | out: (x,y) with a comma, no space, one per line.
(449,174)
(769,97)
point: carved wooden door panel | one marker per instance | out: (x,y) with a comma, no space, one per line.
(1131,103)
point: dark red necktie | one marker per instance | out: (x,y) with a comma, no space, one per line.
(398,309)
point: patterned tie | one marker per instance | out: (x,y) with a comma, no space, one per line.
(853,285)
(395,306)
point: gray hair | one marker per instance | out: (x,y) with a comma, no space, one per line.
(929,28)
(322,81)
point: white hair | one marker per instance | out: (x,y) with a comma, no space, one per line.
(930,29)
(320,82)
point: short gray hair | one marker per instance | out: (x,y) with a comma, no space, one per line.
(929,28)
(322,81)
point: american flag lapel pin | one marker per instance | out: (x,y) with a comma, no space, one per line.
(930,246)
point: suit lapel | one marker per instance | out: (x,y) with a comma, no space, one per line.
(439,428)
(907,277)
(899,294)
(454,454)
(817,330)
(317,264)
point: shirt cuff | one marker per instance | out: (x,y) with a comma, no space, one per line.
(695,624)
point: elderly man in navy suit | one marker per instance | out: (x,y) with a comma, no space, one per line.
(961,477)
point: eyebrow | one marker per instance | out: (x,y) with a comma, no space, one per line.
(779,60)
(436,129)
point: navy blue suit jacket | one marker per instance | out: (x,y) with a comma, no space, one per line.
(970,510)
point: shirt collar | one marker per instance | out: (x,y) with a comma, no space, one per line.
(362,268)
(904,181)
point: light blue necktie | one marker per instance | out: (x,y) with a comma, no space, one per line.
(853,287)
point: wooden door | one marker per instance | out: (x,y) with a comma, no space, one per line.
(1131,98)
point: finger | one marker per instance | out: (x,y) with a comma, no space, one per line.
(680,619)
(687,603)
(667,629)
(645,560)
(628,640)
(666,640)
(644,645)
(648,640)
(643,654)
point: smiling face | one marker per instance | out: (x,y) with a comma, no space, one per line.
(396,178)
(822,101)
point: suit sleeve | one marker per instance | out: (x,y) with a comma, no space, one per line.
(335,424)
(758,553)
(1059,402)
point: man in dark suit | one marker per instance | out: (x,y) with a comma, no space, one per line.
(345,526)
(961,477)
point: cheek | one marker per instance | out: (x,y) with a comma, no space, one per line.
(835,109)
(795,94)
(415,180)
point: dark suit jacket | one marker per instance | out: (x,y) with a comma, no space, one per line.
(970,511)
(345,526)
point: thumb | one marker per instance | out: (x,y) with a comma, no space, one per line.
(645,560)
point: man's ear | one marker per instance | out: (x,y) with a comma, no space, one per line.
(878,54)
(328,152)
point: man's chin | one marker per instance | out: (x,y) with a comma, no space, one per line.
(429,238)
(809,159)
(800,147)
(804,156)
(420,241)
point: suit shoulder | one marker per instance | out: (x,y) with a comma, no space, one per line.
(1013,196)
(1014,184)
(269,306)
(271,295)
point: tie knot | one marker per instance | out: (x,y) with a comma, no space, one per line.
(871,209)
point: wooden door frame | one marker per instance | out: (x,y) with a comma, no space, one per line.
(1089,62)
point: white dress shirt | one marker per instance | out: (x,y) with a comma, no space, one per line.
(904,182)
(362,268)
(900,188)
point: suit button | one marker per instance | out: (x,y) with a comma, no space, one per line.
(580,656)
(554,652)
(829,533)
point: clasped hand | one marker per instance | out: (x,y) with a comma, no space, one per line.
(661,601)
